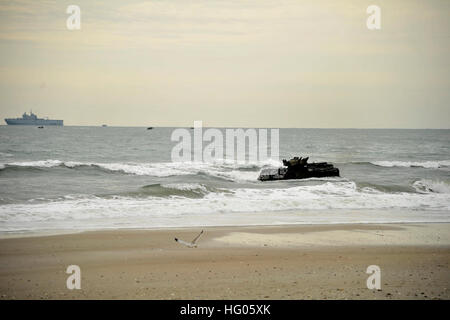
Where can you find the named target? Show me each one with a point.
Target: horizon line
(232, 127)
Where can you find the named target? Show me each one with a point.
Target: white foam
(39, 163)
(5, 154)
(423, 164)
(426, 185)
(186, 187)
(329, 202)
(231, 170)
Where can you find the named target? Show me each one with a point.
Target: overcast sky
(251, 63)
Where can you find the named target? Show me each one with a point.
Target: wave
(433, 186)
(195, 204)
(32, 164)
(329, 195)
(336, 186)
(6, 154)
(173, 190)
(230, 170)
(410, 164)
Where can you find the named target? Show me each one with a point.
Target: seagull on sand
(191, 244)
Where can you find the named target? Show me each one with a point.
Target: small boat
(149, 128)
(104, 125)
(41, 127)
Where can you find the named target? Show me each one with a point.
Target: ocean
(92, 178)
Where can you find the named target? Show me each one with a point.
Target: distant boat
(41, 127)
(149, 128)
(104, 125)
(33, 120)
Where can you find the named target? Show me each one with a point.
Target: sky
(229, 63)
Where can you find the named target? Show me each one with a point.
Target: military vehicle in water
(33, 120)
(299, 168)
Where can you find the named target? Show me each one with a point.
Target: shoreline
(59, 232)
(254, 262)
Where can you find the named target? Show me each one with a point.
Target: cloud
(211, 56)
(151, 23)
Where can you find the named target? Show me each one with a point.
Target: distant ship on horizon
(33, 120)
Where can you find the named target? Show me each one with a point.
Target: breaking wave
(434, 186)
(174, 190)
(185, 199)
(193, 204)
(410, 164)
(5, 154)
(230, 170)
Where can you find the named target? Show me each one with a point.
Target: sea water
(87, 178)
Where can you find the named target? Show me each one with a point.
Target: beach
(112, 200)
(305, 144)
(255, 262)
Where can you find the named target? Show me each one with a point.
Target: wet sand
(282, 262)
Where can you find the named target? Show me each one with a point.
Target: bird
(191, 244)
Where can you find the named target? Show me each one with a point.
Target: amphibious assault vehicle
(299, 168)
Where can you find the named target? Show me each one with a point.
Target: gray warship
(33, 120)
(299, 168)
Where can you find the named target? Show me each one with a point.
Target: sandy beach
(266, 262)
